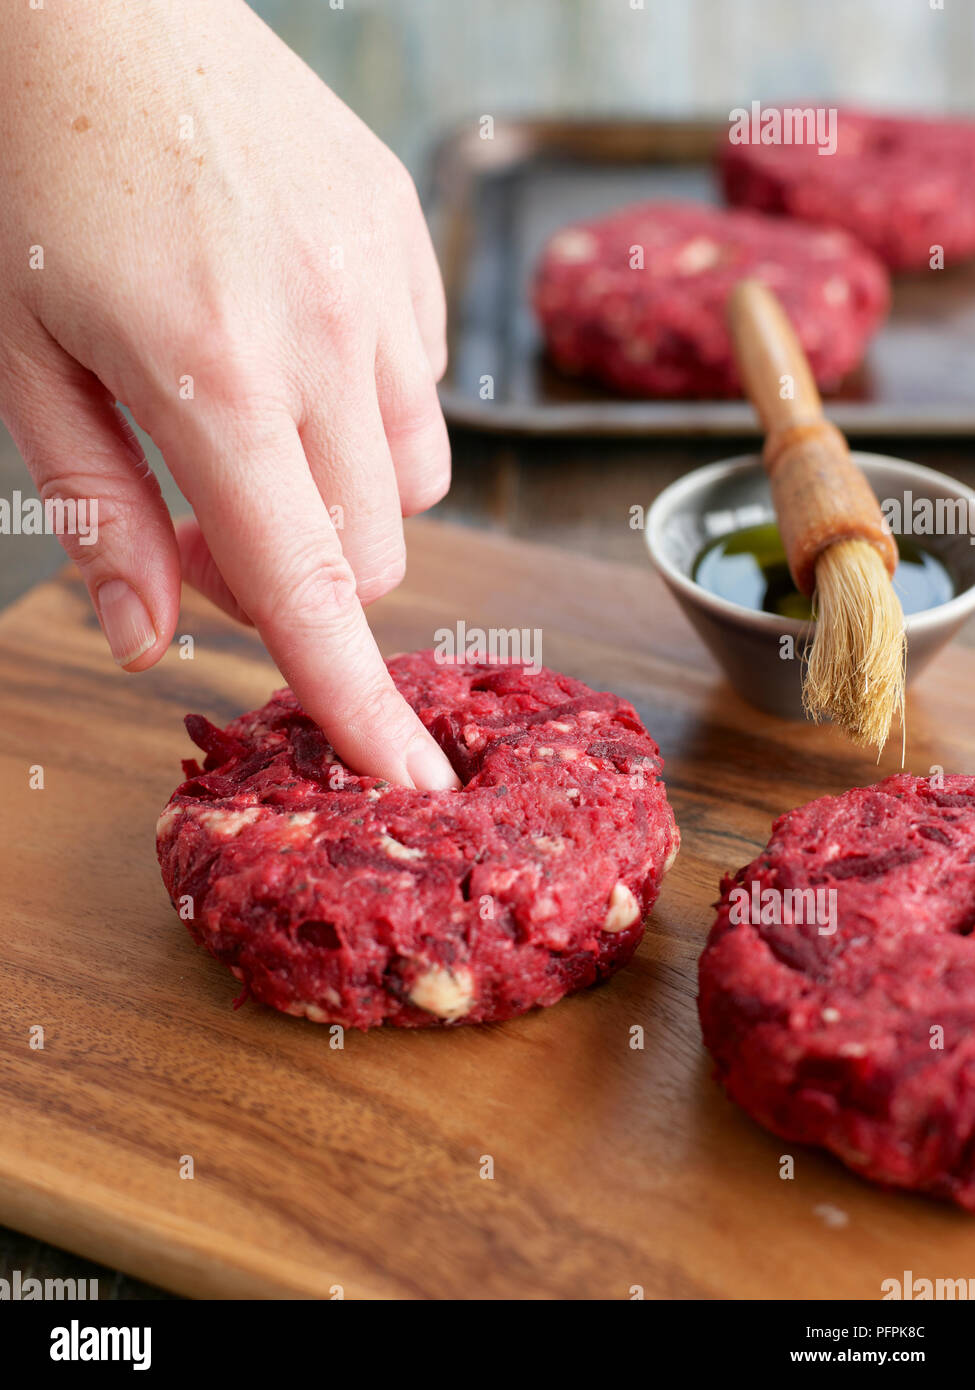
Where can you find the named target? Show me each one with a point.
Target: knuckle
(336, 314)
(428, 490)
(222, 364)
(343, 312)
(376, 585)
(82, 511)
(222, 373)
(75, 483)
(425, 479)
(416, 416)
(315, 590)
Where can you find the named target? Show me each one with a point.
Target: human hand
(228, 251)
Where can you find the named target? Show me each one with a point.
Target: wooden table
(616, 1167)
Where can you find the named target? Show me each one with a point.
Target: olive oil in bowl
(748, 567)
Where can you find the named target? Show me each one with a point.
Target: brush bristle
(855, 670)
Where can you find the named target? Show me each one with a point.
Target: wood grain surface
(614, 1167)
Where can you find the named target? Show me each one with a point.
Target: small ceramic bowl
(728, 496)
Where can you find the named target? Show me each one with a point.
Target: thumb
(100, 495)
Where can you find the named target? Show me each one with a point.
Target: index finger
(274, 543)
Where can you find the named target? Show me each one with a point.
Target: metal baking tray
(493, 203)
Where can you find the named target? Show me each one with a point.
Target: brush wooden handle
(819, 494)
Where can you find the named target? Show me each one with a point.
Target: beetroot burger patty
(861, 1038)
(637, 300)
(349, 900)
(901, 184)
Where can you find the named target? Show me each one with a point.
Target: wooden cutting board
(614, 1167)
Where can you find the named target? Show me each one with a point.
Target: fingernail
(429, 769)
(127, 624)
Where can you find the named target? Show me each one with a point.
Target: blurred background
(414, 69)
(411, 67)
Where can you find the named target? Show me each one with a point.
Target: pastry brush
(840, 550)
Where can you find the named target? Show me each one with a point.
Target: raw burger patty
(351, 901)
(661, 331)
(900, 185)
(833, 1039)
